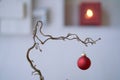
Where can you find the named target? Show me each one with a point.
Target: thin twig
(69, 36)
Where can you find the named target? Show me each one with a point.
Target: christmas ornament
(83, 62)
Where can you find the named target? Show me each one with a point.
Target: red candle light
(90, 13)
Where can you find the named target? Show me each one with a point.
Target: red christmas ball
(83, 62)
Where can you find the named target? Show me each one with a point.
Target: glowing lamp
(90, 13)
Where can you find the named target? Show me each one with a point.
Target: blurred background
(58, 61)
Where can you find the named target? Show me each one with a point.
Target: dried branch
(69, 36)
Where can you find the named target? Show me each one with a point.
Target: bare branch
(36, 45)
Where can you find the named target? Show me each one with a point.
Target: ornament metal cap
(83, 54)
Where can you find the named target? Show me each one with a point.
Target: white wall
(17, 17)
(58, 61)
